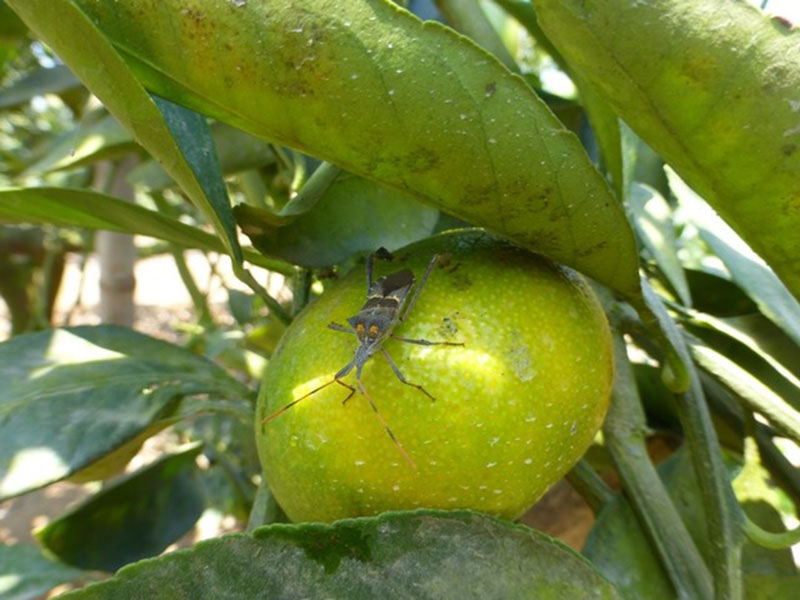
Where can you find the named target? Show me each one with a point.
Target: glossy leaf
(421, 555)
(746, 350)
(369, 87)
(746, 267)
(83, 208)
(237, 151)
(758, 396)
(27, 574)
(37, 83)
(136, 517)
(354, 216)
(68, 31)
(619, 548)
(712, 87)
(71, 396)
(652, 219)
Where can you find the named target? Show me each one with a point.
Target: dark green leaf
(71, 396)
(712, 87)
(418, 555)
(369, 87)
(237, 151)
(37, 83)
(93, 59)
(84, 208)
(619, 548)
(652, 218)
(717, 296)
(193, 136)
(134, 518)
(354, 216)
(27, 574)
(746, 267)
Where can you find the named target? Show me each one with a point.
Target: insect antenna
(280, 411)
(386, 425)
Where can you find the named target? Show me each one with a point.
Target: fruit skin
(515, 407)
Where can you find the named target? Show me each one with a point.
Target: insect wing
(395, 286)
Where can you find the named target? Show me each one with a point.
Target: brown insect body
(383, 310)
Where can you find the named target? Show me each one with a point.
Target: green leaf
(769, 587)
(619, 548)
(758, 396)
(712, 87)
(72, 396)
(237, 151)
(103, 139)
(37, 83)
(747, 350)
(27, 574)
(717, 296)
(421, 555)
(652, 219)
(369, 87)
(354, 216)
(134, 518)
(94, 60)
(746, 267)
(83, 208)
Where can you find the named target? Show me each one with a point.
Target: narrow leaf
(712, 87)
(37, 83)
(93, 59)
(72, 396)
(423, 555)
(105, 138)
(369, 87)
(652, 220)
(83, 208)
(134, 518)
(27, 574)
(237, 151)
(746, 267)
(618, 546)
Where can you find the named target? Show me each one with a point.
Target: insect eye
(373, 331)
(360, 330)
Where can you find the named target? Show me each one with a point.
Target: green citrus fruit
(515, 406)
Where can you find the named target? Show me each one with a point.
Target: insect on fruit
(384, 309)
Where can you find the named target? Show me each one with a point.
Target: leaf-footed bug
(384, 309)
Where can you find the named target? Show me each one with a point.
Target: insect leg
(425, 342)
(385, 424)
(434, 260)
(403, 379)
(342, 328)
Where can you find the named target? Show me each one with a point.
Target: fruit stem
(723, 520)
(588, 483)
(624, 433)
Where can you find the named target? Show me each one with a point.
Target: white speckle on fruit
(528, 461)
(360, 490)
(549, 425)
(530, 419)
(494, 440)
(498, 492)
(490, 465)
(359, 463)
(395, 488)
